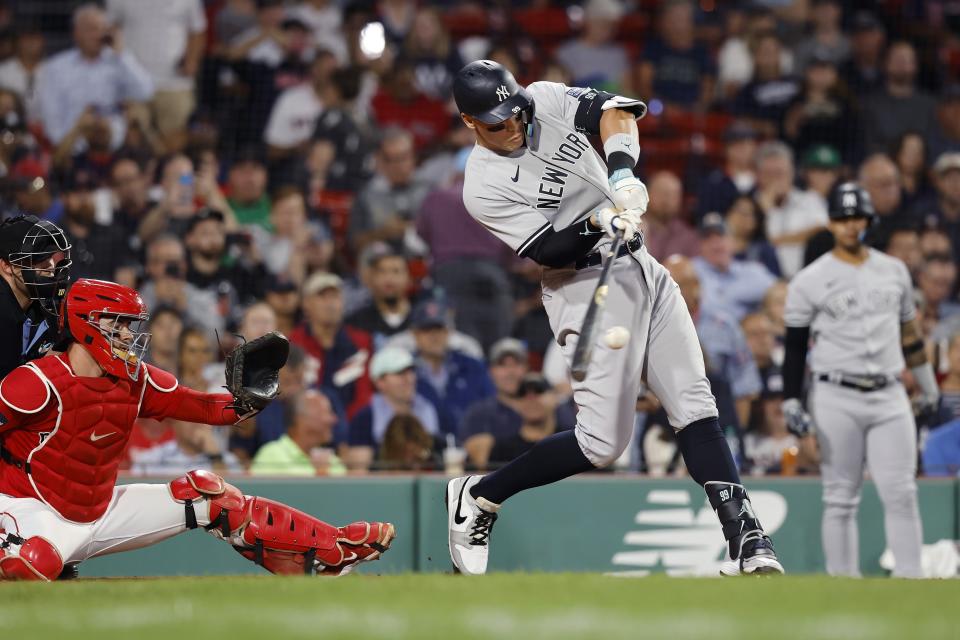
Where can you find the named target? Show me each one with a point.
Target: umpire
(34, 272)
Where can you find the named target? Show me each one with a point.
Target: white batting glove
(628, 192)
(798, 420)
(617, 223)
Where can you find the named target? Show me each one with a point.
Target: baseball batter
(856, 304)
(65, 420)
(534, 180)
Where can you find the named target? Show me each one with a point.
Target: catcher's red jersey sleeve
(22, 394)
(165, 397)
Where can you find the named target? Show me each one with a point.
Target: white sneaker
(757, 557)
(470, 522)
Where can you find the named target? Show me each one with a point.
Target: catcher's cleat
(470, 522)
(361, 542)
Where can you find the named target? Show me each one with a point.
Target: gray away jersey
(854, 313)
(556, 179)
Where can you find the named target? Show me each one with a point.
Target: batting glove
(628, 192)
(617, 223)
(798, 420)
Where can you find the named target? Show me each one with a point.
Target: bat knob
(579, 376)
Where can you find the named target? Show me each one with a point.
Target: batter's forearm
(621, 140)
(795, 360)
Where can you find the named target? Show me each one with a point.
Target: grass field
(523, 606)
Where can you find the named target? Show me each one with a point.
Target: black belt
(865, 383)
(13, 460)
(594, 258)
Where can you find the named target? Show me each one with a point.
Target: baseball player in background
(65, 420)
(856, 305)
(536, 183)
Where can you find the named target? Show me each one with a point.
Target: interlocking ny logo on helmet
(485, 90)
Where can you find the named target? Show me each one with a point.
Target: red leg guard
(36, 559)
(280, 538)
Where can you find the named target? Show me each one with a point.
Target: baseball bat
(591, 321)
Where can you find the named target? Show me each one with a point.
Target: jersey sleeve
(581, 107)
(908, 307)
(799, 309)
(164, 397)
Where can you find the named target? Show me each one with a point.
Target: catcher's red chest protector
(75, 447)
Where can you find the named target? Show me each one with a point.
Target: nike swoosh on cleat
(517, 176)
(457, 518)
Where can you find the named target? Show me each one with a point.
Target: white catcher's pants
(663, 350)
(139, 515)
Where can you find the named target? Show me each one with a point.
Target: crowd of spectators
(297, 165)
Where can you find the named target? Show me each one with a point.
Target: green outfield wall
(625, 525)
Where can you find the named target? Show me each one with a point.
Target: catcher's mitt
(253, 372)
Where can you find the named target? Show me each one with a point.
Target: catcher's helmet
(118, 344)
(488, 92)
(850, 200)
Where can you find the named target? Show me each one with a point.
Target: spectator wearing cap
(28, 323)
(944, 206)
(448, 377)
(791, 215)
(744, 223)
(737, 176)
(92, 74)
(496, 418)
(387, 205)
(732, 286)
(536, 403)
(305, 449)
(674, 67)
(823, 113)
(341, 352)
(99, 250)
(765, 99)
(827, 41)
(165, 284)
(21, 72)
(665, 232)
(820, 169)
(900, 106)
(247, 189)
(283, 296)
(726, 354)
(467, 261)
(395, 376)
(234, 274)
(948, 117)
(169, 44)
(32, 192)
(594, 58)
(388, 278)
(863, 71)
(295, 112)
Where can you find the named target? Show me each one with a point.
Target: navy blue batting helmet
(850, 200)
(488, 92)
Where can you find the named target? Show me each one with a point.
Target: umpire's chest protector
(74, 465)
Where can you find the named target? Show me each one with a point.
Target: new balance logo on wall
(676, 538)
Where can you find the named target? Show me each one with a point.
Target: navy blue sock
(554, 458)
(706, 452)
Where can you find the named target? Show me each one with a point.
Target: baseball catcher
(65, 420)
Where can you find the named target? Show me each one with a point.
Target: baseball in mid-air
(616, 337)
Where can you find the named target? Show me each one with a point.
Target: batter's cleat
(470, 522)
(757, 557)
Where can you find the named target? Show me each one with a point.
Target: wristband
(622, 151)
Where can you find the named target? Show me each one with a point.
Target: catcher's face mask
(127, 339)
(43, 264)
